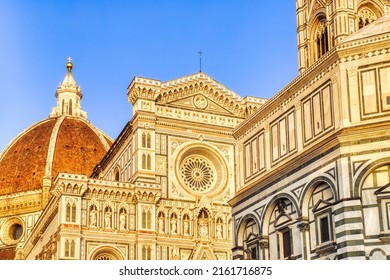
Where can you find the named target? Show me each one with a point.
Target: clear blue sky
(249, 46)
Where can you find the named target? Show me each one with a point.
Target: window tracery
(322, 38)
(366, 16)
(197, 173)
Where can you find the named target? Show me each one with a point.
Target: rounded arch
(308, 190)
(318, 35)
(106, 252)
(365, 171)
(239, 233)
(269, 208)
(373, 6)
(377, 254)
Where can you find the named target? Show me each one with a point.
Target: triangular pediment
(251, 237)
(321, 204)
(199, 102)
(383, 191)
(204, 252)
(201, 93)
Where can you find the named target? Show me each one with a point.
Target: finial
(200, 60)
(69, 65)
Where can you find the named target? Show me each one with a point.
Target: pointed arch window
(73, 212)
(321, 39)
(149, 162)
(67, 248)
(146, 218)
(143, 140)
(251, 247)
(149, 219)
(148, 141)
(70, 249)
(146, 252)
(70, 212)
(146, 162)
(366, 16)
(117, 174)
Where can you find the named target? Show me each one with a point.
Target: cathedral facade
(315, 159)
(160, 191)
(199, 172)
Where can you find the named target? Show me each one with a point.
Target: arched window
(143, 140)
(366, 16)
(146, 218)
(321, 38)
(63, 106)
(67, 248)
(146, 252)
(149, 163)
(148, 141)
(73, 212)
(107, 254)
(149, 219)
(143, 218)
(68, 212)
(72, 248)
(143, 161)
(116, 174)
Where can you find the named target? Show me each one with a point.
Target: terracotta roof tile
(22, 167)
(77, 150)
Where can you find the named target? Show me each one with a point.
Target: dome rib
(61, 144)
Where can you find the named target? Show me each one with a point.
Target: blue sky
(249, 46)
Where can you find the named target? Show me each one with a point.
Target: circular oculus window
(198, 173)
(12, 231)
(201, 169)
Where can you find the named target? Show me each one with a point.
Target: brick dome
(58, 144)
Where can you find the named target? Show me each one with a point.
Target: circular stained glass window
(198, 174)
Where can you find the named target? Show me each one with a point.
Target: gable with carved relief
(201, 92)
(199, 102)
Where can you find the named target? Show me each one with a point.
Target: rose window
(198, 174)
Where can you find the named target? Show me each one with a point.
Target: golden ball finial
(69, 65)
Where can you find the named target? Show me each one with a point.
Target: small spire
(69, 65)
(69, 79)
(68, 96)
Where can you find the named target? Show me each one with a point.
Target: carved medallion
(200, 101)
